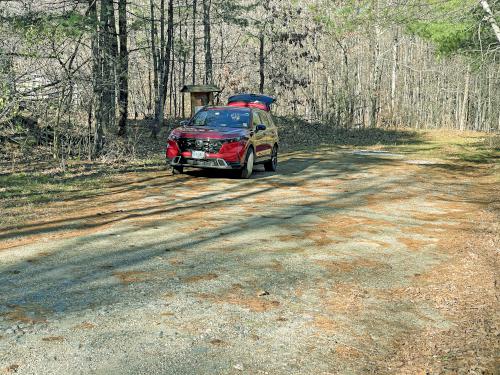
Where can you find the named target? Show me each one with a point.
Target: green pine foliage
(38, 26)
(453, 26)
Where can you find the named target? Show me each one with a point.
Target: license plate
(197, 154)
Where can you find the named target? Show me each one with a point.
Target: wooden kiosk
(201, 95)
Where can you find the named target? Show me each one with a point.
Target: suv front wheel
(177, 170)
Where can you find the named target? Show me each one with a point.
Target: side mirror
(184, 122)
(260, 127)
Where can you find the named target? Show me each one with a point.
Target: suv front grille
(211, 146)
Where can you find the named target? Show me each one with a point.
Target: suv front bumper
(180, 161)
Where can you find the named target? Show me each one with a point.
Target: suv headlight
(173, 137)
(237, 139)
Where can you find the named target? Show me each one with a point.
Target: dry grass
(85, 325)
(28, 314)
(236, 295)
(53, 338)
(198, 278)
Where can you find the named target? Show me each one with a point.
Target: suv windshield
(222, 117)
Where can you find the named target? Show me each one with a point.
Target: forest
(75, 75)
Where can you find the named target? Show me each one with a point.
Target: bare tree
(194, 42)
(489, 17)
(207, 4)
(123, 68)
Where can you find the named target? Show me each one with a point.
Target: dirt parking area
(344, 262)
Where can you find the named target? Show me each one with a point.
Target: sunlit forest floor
(371, 251)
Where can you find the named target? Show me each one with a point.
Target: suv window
(222, 117)
(267, 119)
(256, 119)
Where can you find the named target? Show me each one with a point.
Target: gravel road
(341, 263)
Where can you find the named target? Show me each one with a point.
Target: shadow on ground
(323, 235)
(235, 193)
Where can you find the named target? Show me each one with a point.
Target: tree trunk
(106, 49)
(465, 102)
(123, 68)
(376, 77)
(183, 32)
(154, 52)
(194, 42)
(115, 53)
(95, 148)
(113, 64)
(207, 42)
(156, 64)
(168, 50)
(394, 75)
(489, 17)
(261, 62)
(160, 95)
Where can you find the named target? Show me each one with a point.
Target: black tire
(272, 164)
(177, 170)
(247, 169)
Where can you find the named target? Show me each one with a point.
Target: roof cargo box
(251, 100)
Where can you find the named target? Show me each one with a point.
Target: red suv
(234, 137)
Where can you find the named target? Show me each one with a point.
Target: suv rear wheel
(177, 170)
(247, 170)
(272, 164)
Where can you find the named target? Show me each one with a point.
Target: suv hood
(208, 133)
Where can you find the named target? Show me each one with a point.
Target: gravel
(301, 271)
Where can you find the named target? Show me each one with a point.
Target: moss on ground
(478, 148)
(24, 194)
